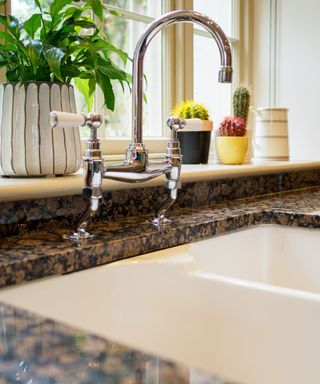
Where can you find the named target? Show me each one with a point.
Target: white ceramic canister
(28, 145)
(270, 139)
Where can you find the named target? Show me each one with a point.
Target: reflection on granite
(37, 350)
(21, 216)
(40, 253)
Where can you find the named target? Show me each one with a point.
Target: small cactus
(232, 126)
(190, 110)
(241, 102)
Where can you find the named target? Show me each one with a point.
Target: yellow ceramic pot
(232, 149)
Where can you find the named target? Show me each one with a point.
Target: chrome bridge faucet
(137, 168)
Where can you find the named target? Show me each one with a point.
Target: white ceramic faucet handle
(66, 119)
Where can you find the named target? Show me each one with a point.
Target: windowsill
(32, 188)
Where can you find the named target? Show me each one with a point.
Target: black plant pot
(195, 146)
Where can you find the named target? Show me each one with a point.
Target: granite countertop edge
(12, 189)
(36, 254)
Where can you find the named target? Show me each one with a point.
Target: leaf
(73, 11)
(110, 70)
(38, 4)
(34, 50)
(8, 47)
(105, 45)
(54, 56)
(14, 26)
(83, 85)
(107, 90)
(129, 77)
(114, 13)
(57, 5)
(43, 73)
(97, 8)
(11, 75)
(7, 37)
(3, 60)
(55, 38)
(14, 22)
(11, 23)
(32, 24)
(92, 86)
(69, 71)
(3, 20)
(80, 23)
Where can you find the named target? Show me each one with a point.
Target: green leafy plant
(190, 110)
(61, 43)
(241, 102)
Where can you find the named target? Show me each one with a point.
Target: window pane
(215, 96)
(150, 8)
(124, 34)
(145, 7)
(22, 8)
(219, 10)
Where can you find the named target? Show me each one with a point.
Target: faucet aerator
(225, 75)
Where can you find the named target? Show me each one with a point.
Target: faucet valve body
(173, 157)
(92, 189)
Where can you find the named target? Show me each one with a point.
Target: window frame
(178, 84)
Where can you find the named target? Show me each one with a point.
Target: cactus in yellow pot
(232, 142)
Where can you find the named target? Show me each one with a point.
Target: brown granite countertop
(39, 350)
(44, 252)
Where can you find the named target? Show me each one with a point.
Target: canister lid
(271, 109)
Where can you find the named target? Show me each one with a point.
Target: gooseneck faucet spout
(136, 168)
(225, 73)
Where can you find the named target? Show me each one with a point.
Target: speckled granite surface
(37, 350)
(40, 351)
(42, 252)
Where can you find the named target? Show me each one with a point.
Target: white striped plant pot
(28, 145)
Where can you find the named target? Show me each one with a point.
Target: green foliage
(60, 43)
(241, 103)
(190, 110)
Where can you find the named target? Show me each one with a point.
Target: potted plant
(42, 55)
(231, 141)
(195, 137)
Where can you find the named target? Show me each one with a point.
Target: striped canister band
(28, 145)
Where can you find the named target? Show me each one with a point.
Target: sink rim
(162, 257)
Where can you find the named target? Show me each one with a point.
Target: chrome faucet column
(136, 168)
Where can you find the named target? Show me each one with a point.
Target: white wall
(289, 31)
(261, 51)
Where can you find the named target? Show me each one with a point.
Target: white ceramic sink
(282, 256)
(224, 305)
